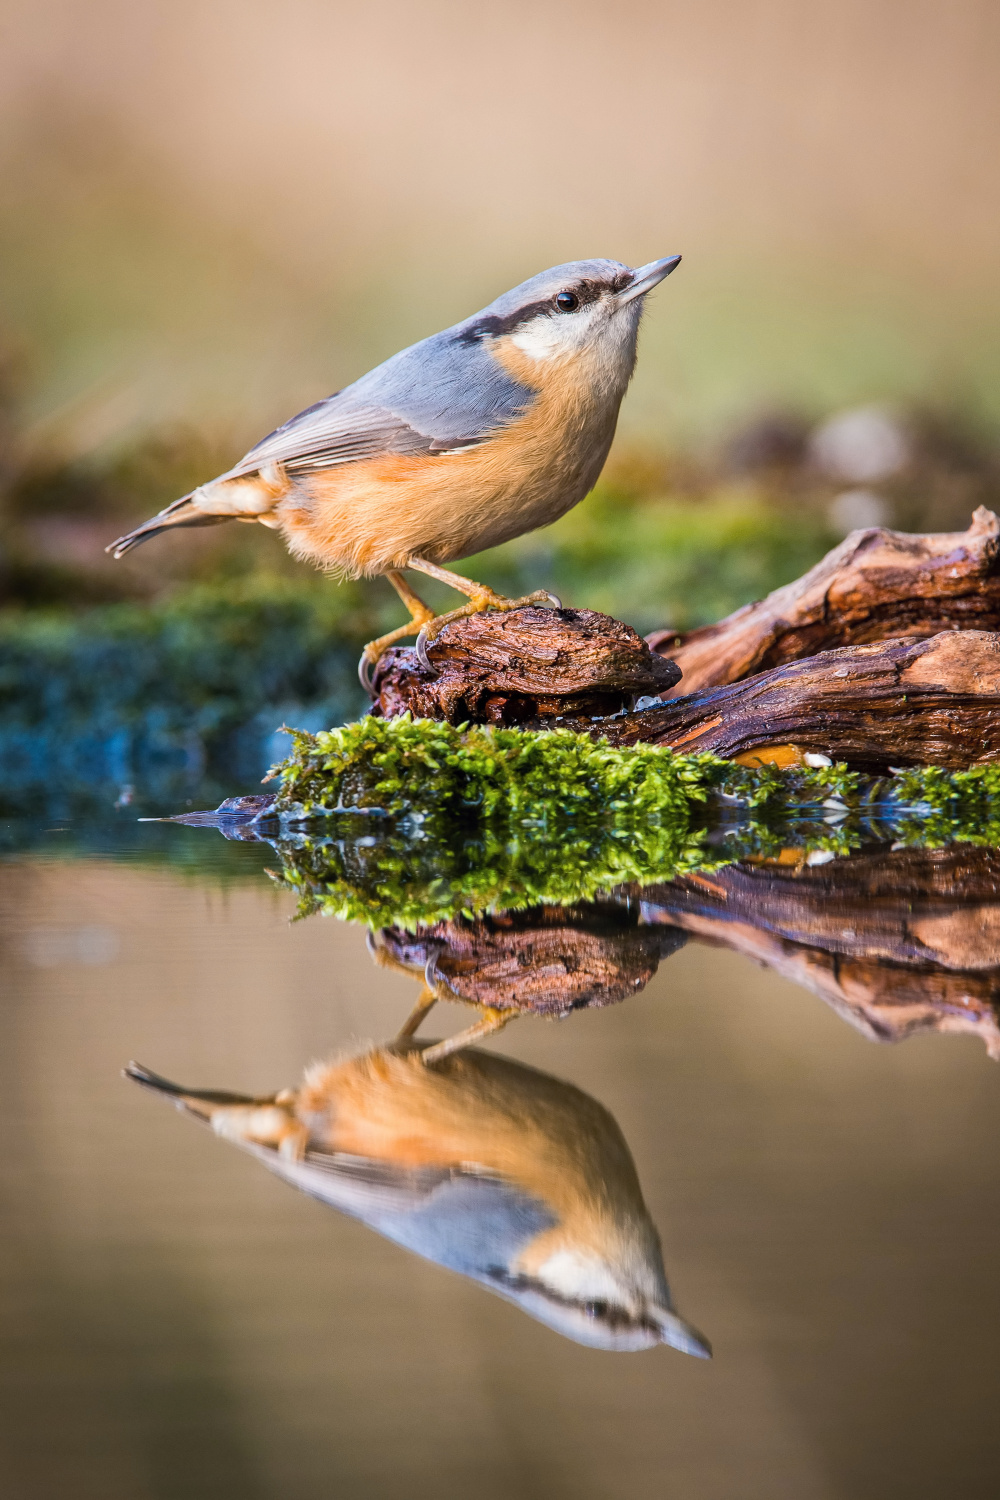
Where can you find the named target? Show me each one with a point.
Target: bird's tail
(182, 512)
(200, 1102)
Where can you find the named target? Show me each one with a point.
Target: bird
(480, 433)
(485, 1166)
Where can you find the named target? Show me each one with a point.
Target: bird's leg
(492, 1021)
(425, 1003)
(420, 615)
(481, 598)
(430, 992)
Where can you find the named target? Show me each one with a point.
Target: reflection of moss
(409, 871)
(949, 806)
(473, 819)
(403, 873)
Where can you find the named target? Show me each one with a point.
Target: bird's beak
(680, 1334)
(646, 277)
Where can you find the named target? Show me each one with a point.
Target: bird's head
(584, 306)
(615, 1299)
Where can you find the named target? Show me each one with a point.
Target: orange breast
(367, 517)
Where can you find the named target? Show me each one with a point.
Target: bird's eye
(596, 1309)
(566, 301)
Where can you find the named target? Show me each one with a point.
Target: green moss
(411, 821)
(945, 807)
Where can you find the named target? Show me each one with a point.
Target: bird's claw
(366, 666)
(420, 647)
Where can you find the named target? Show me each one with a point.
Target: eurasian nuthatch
(483, 1165)
(473, 436)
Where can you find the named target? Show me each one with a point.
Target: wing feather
(439, 396)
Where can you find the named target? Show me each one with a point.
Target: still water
(179, 1321)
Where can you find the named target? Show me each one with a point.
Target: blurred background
(213, 214)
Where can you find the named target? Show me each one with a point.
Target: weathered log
(877, 584)
(874, 657)
(531, 665)
(898, 702)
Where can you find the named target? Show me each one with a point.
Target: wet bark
(876, 657)
(876, 585)
(532, 665)
(898, 702)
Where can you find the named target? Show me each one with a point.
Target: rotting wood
(878, 584)
(897, 702)
(525, 666)
(871, 658)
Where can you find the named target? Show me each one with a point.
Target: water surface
(179, 1322)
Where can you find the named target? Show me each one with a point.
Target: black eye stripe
(493, 326)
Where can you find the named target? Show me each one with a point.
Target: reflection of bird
(482, 432)
(485, 1166)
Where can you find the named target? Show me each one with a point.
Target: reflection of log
(549, 960)
(900, 702)
(896, 942)
(531, 664)
(875, 585)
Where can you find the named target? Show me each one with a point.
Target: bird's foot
(480, 602)
(374, 649)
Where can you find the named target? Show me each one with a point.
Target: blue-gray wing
(469, 1221)
(442, 395)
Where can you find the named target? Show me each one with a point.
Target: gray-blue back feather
(471, 1223)
(446, 392)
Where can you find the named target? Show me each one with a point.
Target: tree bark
(900, 702)
(531, 665)
(877, 584)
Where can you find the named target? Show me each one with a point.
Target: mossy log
(876, 585)
(877, 657)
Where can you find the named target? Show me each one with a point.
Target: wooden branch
(871, 658)
(532, 665)
(930, 702)
(877, 584)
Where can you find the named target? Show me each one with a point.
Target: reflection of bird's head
(485, 1166)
